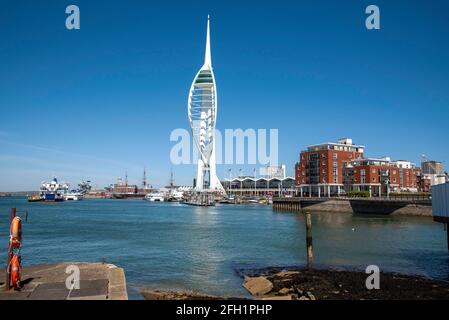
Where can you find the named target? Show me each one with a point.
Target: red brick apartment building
(332, 168)
(380, 176)
(320, 168)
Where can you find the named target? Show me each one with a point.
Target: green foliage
(358, 194)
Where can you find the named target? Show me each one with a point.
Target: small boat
(155, 197)
(72, 196)
(35, 198)
(230, 200)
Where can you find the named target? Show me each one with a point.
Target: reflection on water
(168, 245)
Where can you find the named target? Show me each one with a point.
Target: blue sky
(101, 100)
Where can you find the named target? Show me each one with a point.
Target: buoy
(15, 271)
(16, 233)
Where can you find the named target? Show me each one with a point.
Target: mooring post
(447, 235)
(309, 241)
(7, 278)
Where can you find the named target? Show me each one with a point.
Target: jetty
(202, 199)
(97, 281)
(417, 206)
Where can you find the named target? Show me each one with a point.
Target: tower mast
(208, 55)
(144, 179)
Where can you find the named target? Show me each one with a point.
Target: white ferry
(155, 196)
(51, 191)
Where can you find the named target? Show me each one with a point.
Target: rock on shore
(276, 284)
(257, 286)
(151, 294)
(342, 285)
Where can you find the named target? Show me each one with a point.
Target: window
(374, 171)
(335, 156)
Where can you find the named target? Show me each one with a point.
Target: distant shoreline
(17, 194)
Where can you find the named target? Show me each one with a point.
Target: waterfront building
(202, 112)
(320, 169)
(379, 176)
(333, 169)
(408, 173)
(259, 186)
(423, 181)
(274, 181)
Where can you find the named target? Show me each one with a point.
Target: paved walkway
(98, 281)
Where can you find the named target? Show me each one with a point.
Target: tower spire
(208, 57)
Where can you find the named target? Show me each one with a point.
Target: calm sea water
(169, 245)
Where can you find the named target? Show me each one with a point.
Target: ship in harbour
(55, 191)
(52, 191)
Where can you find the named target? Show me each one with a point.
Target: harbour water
(170, 245)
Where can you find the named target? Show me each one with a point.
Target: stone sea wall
(356, 206)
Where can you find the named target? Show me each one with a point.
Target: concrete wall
(363, 206)
(327, 206)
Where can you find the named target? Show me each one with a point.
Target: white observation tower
(202, 109)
